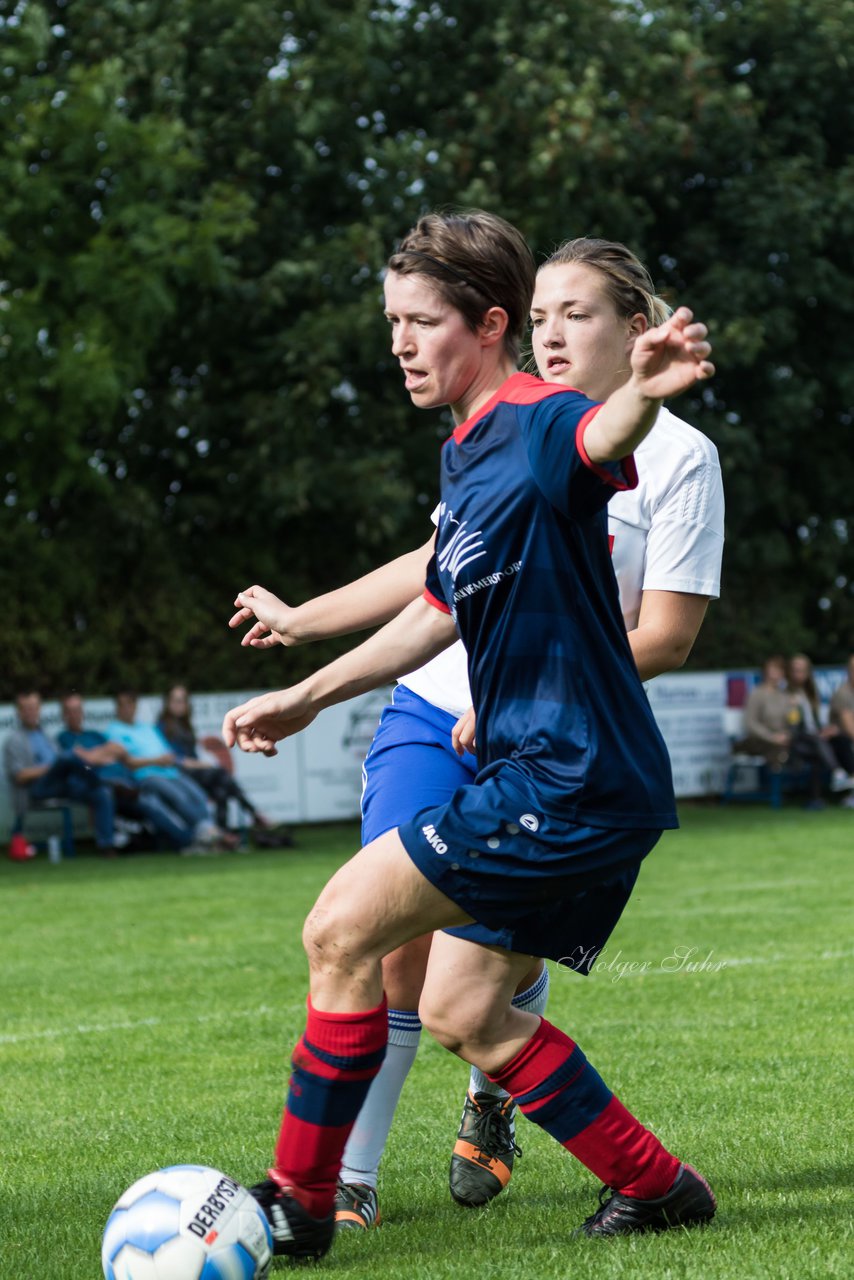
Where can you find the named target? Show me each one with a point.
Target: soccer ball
(187, 1222)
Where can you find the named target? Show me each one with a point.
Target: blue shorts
(557, 891)
(411, 764)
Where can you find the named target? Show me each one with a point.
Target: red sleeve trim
(435, 601)
(627, 464)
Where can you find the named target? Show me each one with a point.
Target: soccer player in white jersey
(666, 538)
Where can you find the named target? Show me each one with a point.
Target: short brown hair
(474, 260)
(627, 280)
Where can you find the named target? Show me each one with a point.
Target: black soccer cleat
(689, 1202)
(483, 1155)
(356, 1207)
(295, 1233)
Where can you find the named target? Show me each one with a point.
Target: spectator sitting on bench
(842, 720)
(38, 770)
(154, 764)
(781, 724)
(812, 741)
(136, 797)
(176, 725)
(770, 715)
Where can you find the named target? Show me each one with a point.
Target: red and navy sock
(555, 1086)
(333, 1065)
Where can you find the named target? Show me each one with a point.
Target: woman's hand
(462, 734)
(274, 620)
(673, 356)
(257, 725)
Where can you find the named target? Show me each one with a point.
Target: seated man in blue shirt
(37, 770)
(136, 797)
(155, 769)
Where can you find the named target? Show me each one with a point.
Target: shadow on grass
(841, 1175)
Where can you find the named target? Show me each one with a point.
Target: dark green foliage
(198, 200)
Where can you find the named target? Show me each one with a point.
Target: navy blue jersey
(522, 563)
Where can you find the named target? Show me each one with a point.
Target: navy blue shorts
(557, 892)
(534, 883)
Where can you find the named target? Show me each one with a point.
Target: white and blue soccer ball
(187, 1222)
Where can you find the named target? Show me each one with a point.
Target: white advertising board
(689, 712)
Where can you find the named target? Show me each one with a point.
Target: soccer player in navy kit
(592, 297)
(546, 844)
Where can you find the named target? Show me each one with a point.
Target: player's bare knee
(321, 938)
(446, 1023)
(335, 942)
(444, 1033)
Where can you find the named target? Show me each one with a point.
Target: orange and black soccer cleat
(485, 1149)
(356, 1207)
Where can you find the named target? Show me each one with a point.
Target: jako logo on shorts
(530, 822)
(433, 838)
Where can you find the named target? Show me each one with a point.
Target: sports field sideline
(148, 1006)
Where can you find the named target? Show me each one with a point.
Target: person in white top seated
(592, 299)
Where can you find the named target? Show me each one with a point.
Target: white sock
(369, 1135)
(532, 1000)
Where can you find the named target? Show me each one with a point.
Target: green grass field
(148, 1007)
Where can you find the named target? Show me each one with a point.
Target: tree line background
(198, 200)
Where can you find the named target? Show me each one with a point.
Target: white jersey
(444, 681)
(667, 534)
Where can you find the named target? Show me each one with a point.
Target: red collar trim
(519, 388)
